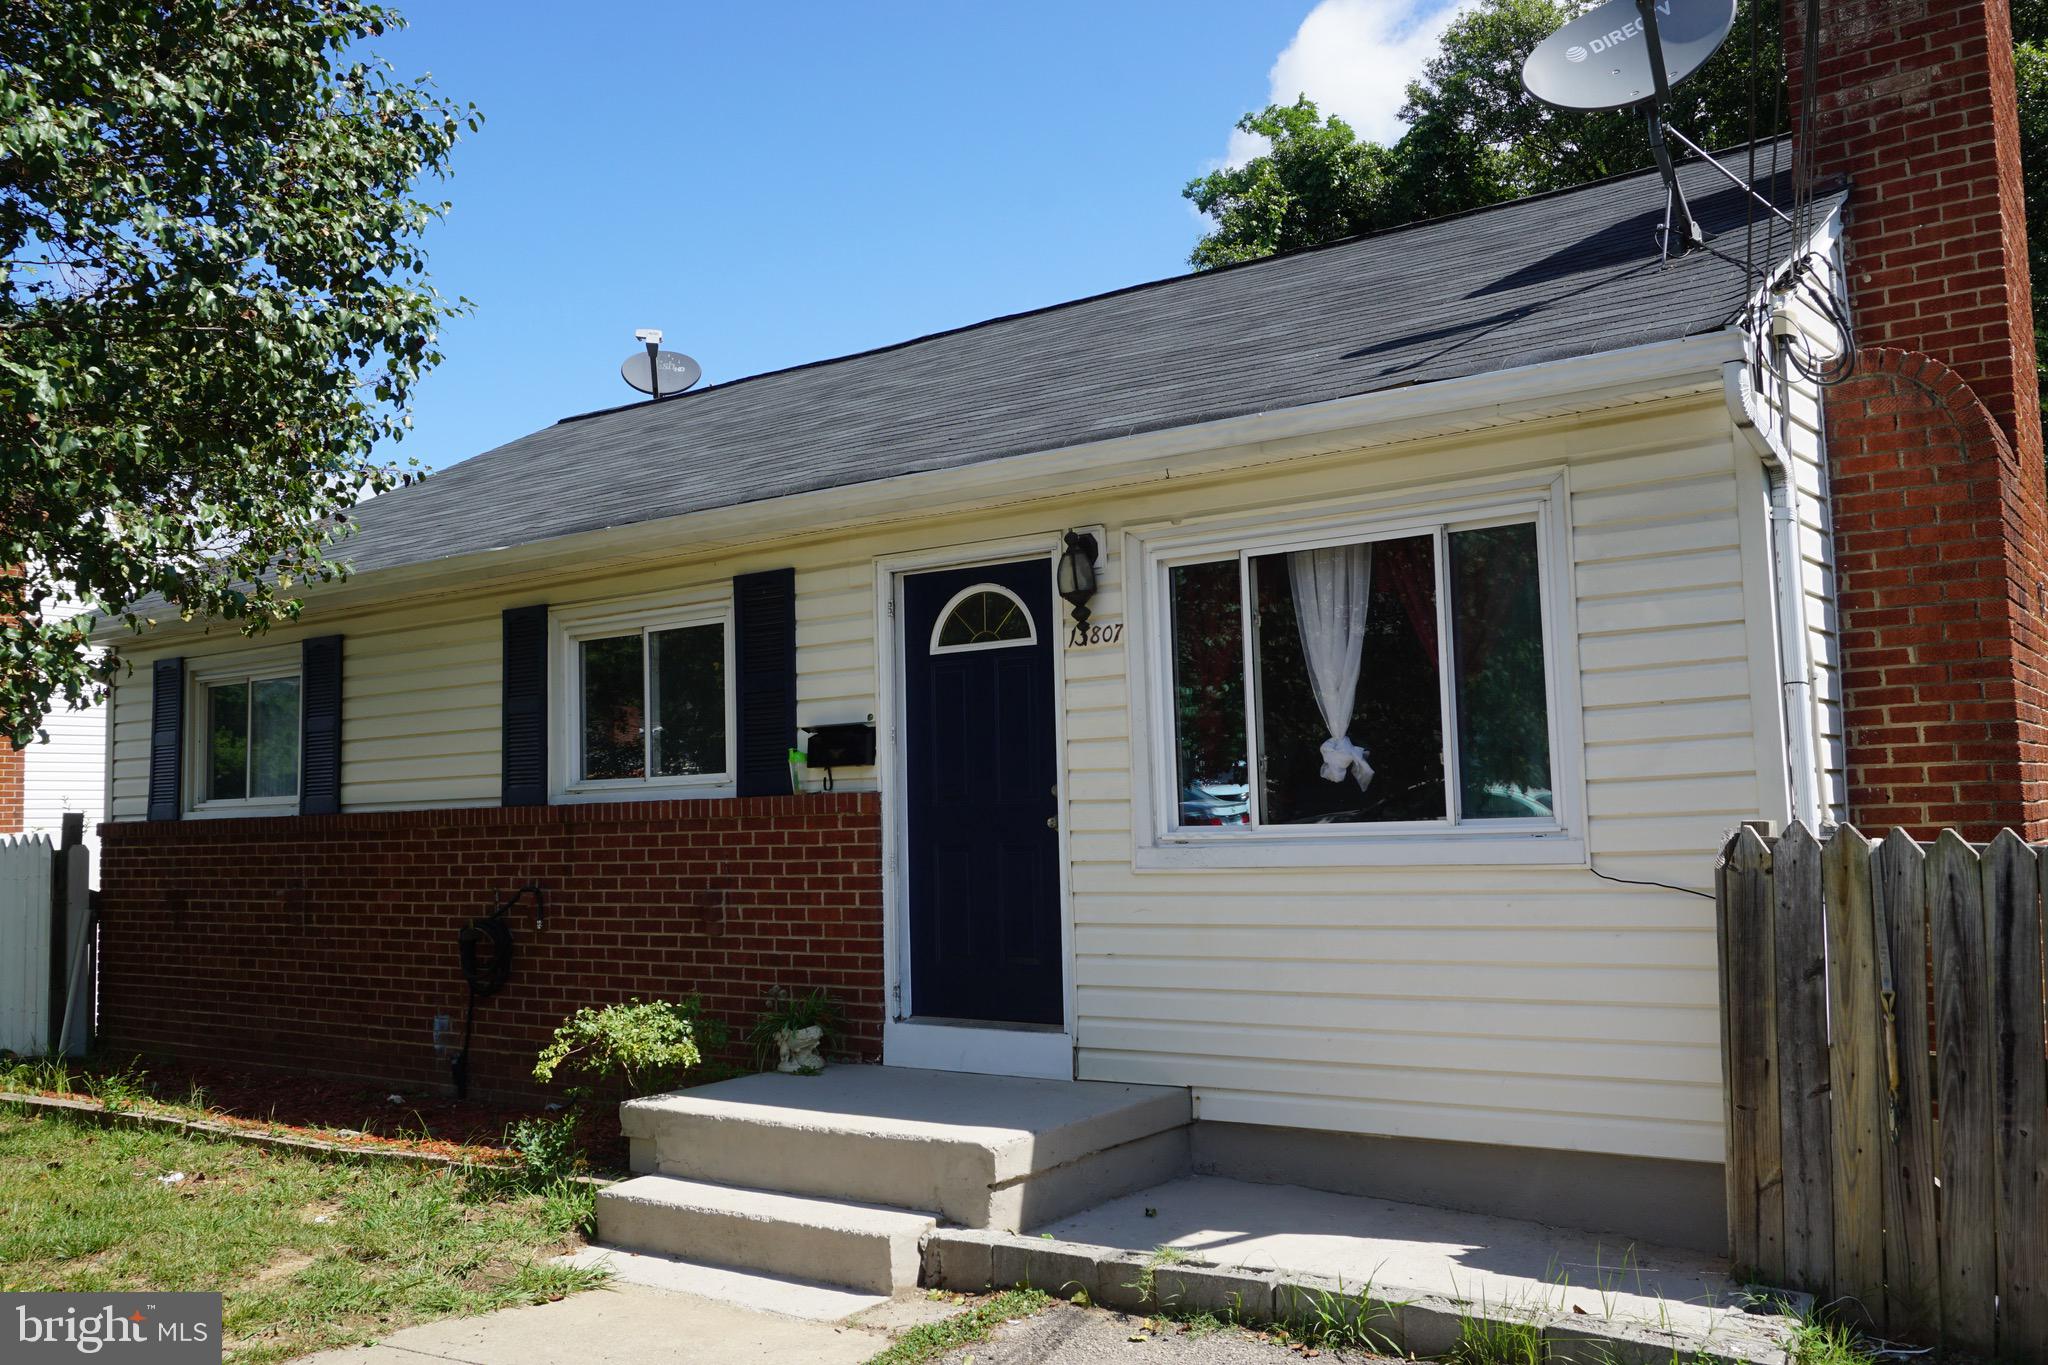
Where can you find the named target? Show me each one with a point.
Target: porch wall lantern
(1075, 573)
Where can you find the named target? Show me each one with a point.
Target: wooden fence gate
(1887, 1079)
(46, 944)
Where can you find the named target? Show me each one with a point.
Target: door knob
(1052, 822)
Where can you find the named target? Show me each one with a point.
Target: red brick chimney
(1941, 533)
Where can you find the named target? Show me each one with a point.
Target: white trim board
(1046, 1054)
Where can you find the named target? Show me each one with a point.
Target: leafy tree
(213, 306)
(2029, 21)
(1319, 182)
(1473, 137)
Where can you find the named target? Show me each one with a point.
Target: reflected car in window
(1215, 803)
(1499, 801)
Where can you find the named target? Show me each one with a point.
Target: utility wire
(1749, 204)
(1638, 881)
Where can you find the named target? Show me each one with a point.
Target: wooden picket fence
(1887, 1079)
(47, 981)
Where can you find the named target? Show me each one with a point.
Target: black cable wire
(1777, 142)
(1806, 157)
(1749, 203)
(1638, 881)
(1802, 282)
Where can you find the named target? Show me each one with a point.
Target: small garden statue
(794, 1031)
(800, 1050)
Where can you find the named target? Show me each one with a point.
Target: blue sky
(777, 184)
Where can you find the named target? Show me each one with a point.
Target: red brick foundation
(327, 943)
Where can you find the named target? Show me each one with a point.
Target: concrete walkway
(621, 1325)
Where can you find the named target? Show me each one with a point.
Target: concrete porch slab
(982, 1151)
(1294, 1236)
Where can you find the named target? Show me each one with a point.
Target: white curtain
(1331, 589)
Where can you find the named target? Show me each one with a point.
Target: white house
(1456, 591)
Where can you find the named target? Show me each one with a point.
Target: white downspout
(1795, 659)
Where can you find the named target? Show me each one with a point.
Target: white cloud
(1354, 58)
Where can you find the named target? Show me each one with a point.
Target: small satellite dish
(1601, 59)
(676, 372)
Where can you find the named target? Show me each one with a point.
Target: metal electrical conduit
(1789, 624)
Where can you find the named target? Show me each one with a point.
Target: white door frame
(997, 1049)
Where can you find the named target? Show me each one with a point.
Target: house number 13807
(1084, 636)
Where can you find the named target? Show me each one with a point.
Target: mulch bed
(418, 1120)
(354, 1113)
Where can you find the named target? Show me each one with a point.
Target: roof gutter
(1529, 392)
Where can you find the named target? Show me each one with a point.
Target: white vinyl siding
(1528, 1005)
(67, 772)
(1536, 1006)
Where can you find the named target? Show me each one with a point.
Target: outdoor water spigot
(533, 889)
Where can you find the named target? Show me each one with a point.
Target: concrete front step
(857, 1245)
(763, 1293)
(981, 1151)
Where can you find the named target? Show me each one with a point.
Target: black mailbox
(851, 745)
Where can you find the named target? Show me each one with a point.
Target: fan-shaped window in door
(985, 616)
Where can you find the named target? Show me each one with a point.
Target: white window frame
(568, 628)
(975, 590)
(252, 667)
(1159, 844)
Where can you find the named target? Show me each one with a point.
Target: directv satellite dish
(1601, 60)
(660, 373)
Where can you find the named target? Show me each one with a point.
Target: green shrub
(634, 1048)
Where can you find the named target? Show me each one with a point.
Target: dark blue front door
(983, 838)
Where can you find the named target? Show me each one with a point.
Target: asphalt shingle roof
(1566, 274)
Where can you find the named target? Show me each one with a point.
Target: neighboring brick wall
(1935, 445)
(327, 943)
(13, 769)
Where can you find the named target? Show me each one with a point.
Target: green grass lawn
(310, 1254)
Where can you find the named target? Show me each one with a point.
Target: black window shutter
(320, 726)
(166, 738)
(764, 650)
(525, 706)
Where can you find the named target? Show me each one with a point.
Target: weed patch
(1339, 1319)
(1500, 1340)
(934, 1339)
(1817, 1341)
